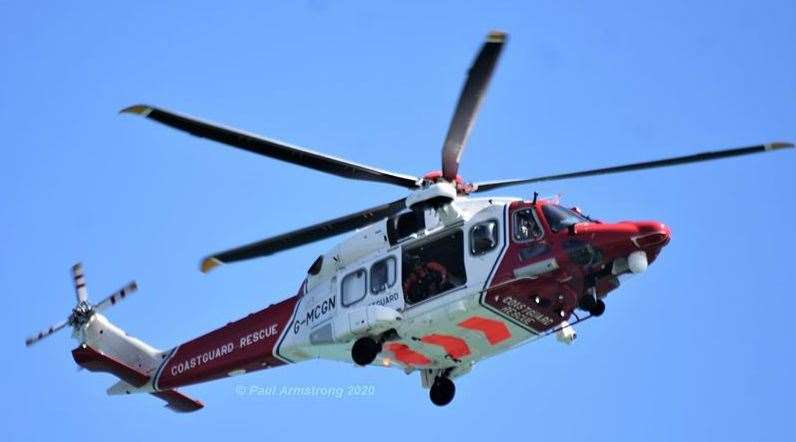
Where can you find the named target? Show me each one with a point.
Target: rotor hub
(81, 314)
(436, 176)
(435, 194)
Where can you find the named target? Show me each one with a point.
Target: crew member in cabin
(426, 280)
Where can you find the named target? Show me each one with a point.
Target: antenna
(535, 197)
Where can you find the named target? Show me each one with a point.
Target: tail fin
(105, 347)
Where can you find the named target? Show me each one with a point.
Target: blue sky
(697, 348)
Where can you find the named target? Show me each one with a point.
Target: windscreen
(561, 218)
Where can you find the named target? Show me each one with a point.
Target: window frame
(342, 287)
(497, 236)
(514, 225)
(388, 285)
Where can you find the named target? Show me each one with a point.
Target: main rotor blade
(116, 296)
(303, 236)
(44, 333)
(695, 158)
(469, 101)
(272, 148)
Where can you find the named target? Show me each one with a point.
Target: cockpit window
(525, 226)
(561, 218)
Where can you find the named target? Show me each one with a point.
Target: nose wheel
(442, 391)
(591, 303)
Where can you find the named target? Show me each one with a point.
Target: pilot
(426, 280)
(527, 228)
(525, 232)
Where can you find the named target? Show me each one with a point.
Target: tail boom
(249, 344)
(246, 345)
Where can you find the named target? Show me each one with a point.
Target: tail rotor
(83, 311)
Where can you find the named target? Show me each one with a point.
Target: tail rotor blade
(116, 296)
(44, 333)
(80, 283)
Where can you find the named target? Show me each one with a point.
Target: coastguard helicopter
(431, 283)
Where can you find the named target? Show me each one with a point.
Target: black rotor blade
(469, 101)
(303, 236)
(695, 158)
(272, 148)
(116, 296)
(45, 333)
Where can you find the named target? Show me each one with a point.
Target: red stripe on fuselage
(406, 355)
(495, 331)
(455, 347)
(247, 344)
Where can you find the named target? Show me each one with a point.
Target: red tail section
(96, 361)
(245, 345)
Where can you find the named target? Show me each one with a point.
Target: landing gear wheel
(442, 391)
(598, 309)
(365, 350)
(595, 307)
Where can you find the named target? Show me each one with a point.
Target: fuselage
(441, 288)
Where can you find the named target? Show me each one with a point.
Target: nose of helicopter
(649, 239)
(650, 234)
(641, 234)
(634, 243)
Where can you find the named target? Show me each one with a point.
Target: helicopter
(430, 283)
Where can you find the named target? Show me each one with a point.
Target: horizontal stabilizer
(179, 402)
(131, 378)
(92, 360)
(122, 387)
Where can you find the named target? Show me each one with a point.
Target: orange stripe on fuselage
(406, 355)
(495, 331)
(455, 347)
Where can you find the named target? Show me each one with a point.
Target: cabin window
(483, 237)
(382, 275)
(354, 287)
(403, 225)
(316, 266)
(525, 226)
(433, 267)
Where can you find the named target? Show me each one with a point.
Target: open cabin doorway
(433, 266)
